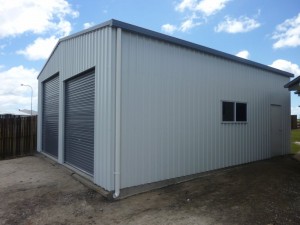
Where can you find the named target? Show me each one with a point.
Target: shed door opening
(276, 130)
(79, 122)
(50, 116)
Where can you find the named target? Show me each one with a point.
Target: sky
(265, 31)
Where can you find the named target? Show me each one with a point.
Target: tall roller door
(50, 116)
(79, 122)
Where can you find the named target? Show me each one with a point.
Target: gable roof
(173, 40)
(293, 85)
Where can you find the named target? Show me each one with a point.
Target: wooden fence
(17, 136)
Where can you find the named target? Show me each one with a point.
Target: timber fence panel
(17, 136)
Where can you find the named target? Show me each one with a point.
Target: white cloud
(168, 28)
(188, 24)
(185, 26)
(286, 66)
(18, 17)
(185, 4)
(287, 34)
(243, 54)
(39, 49)
(12, 95)
(196, 12)
(206, 7)
(88, 25)
(241, 25)
(64, 28)
(210, 7)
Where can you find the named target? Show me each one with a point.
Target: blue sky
(266, 31)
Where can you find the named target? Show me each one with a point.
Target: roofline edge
(292, 82)
(214, 52)
(170, 39)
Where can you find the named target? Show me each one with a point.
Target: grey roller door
(79, 122)
(50, 116)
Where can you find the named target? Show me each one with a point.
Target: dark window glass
(241, 112)
(228, 111)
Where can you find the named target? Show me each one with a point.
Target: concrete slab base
(78, 175)
(127, 192)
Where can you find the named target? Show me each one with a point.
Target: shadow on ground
(35, 191)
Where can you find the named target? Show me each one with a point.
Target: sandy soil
(35, 191)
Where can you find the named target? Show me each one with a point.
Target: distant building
(28, 112)
(17, 112)
(126, 106)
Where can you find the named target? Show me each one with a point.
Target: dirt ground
(35, 191)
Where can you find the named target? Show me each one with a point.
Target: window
(241, 112)
(228, 111)
(234, 112)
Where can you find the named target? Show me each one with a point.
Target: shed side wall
(171, 111)
(72, 57)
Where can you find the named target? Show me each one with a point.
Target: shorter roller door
(79, 122)
(50, 116)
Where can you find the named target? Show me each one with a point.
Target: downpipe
(118, 117)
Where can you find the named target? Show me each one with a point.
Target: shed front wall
(171, 111)
(73, 56)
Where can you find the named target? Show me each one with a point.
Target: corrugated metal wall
(74, 56)
(170, 107)
(171, 111)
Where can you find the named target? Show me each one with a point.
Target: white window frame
(234, 112)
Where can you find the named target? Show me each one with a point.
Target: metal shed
(134, 107)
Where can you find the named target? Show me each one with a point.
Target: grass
(295, 136)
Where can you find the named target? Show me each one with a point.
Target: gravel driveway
(36, 191)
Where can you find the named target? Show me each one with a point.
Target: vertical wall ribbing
(74, 56)
(171, 111)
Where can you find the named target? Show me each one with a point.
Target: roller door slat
(50, 116)
(79, 122)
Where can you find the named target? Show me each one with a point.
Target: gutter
(117, 171)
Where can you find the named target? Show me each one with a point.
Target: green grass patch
(295, 136)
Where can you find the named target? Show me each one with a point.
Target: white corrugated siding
(170, 107)
(76, 55)
(171, 111)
